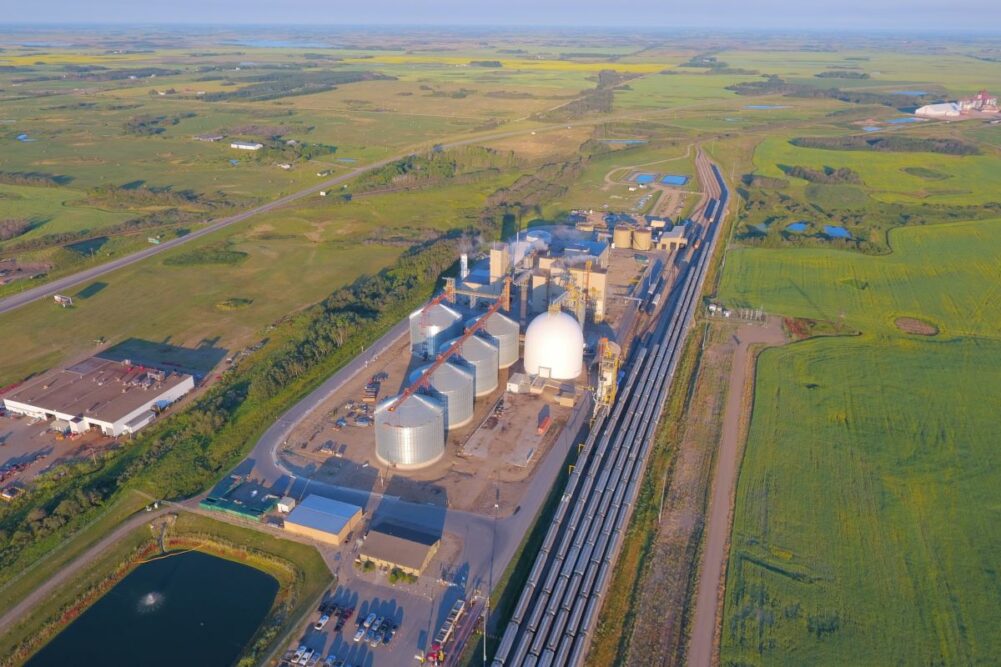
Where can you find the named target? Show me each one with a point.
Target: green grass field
(867, 524)
(946, 274)
(976, 179)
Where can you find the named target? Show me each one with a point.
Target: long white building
(114, 397)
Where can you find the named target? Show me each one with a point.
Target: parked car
(369, 621)
(319, 625)
(360, 633)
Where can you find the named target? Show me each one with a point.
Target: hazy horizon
(979, 16)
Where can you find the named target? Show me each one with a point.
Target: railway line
(557, 610)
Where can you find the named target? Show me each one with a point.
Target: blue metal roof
(323, 514)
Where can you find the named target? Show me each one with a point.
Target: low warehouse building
(323, 519)
(390, 545)
(115, 397)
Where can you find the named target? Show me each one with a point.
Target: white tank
(554, 347)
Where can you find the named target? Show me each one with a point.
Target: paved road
(66, 283)
(709, 595)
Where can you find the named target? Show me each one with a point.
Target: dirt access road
(703, 645)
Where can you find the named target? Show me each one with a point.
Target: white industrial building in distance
(246, 145)
(115, 397)
(554, 347)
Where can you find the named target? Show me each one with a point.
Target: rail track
(557, 610)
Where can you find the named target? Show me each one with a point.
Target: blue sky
(910, 15)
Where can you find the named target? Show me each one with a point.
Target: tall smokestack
(463, 266)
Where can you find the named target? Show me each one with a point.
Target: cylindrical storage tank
(622, 237)
(429, 328)
(642, 239)
(483, 356)
(503, 331)
(554, 346)
(454, 387)
(412, 435)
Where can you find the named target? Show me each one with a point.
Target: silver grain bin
(503, 331)
(412, 435)
(453, 386)
(482, 356)
(428, 328)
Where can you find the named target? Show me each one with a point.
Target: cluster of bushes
(775, 85)
(13, 227)
(140, 195)
(827, 175)
(275, 86)
(33, 178)
(715, 65)
(396, 575)
(842, 74)
(208, 255)
(890, 143)
(435, 168)
(485, 63)
(149, 125)
(41, 521)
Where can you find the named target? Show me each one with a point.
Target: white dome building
(554, 347)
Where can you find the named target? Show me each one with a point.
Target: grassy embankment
(864, 530)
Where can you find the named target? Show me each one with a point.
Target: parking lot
(378, 630)
(28, 447)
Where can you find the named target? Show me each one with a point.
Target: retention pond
(186, 609)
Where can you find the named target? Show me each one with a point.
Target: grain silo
(642, 239)
(483, 356)
(554, 347)
(453, 386)
(504, 332)
(622, 237)
(430, 325)
(413, 434)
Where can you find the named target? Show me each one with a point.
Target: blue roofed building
(324, 519)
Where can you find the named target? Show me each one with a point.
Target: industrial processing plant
(523, 342)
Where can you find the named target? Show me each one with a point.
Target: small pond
(796, 227)
(186, 609)
(837, 232)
